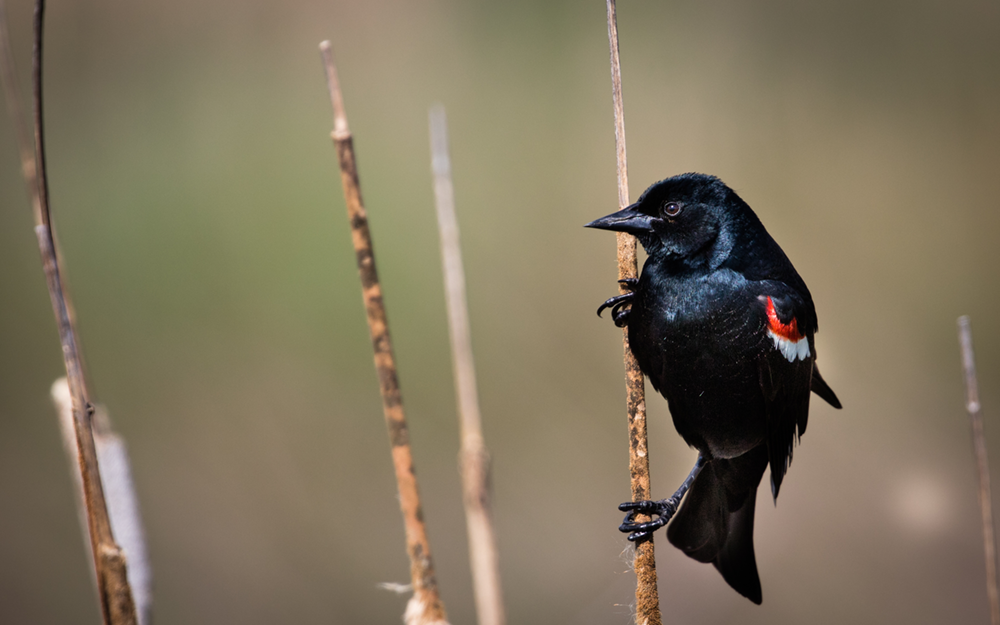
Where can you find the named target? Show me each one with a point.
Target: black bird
(722, 325)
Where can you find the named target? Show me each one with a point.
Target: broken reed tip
(968, 365)
(340, 129)
(440, 161)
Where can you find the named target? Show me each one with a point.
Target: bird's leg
(617, 303)
(664, 509)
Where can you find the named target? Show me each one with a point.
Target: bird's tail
(821, 388)
(715, 522)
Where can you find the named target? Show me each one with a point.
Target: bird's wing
(786, 367)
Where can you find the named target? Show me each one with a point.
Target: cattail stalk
(982, 465)
(119, 490)
(114, 593)
(475, 458)
(425, 607)
(647, 600)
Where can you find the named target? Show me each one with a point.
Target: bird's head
(690, 218)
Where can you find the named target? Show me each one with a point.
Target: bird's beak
(629, 219)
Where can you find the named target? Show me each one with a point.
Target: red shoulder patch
(787, 331)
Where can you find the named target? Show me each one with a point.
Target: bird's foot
(618, 302)
(663, 509)
(618, 312)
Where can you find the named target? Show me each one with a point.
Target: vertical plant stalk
(982, 465)
(114, 592)
(116, 478)
(425, 607)
(475, 458)
(647, 599)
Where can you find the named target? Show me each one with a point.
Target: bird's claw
(663, 509)
(618, 302)
(620, 315)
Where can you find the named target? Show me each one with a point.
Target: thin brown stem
(982, 465)
(425, 607)
(41, 179)
(114, 592)
(475, 458)
(647, 600)
(123, 505)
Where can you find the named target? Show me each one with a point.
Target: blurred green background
(196, 196)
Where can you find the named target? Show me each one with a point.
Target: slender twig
(647, 600)
(475, 458)
(123, 505)
(425, 607)
(114, 593)
(982, 465)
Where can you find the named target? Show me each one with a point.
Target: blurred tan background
(195, 191)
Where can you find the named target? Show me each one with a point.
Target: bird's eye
(671, 209)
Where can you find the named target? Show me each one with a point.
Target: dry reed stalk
(982, 465)
(114, 593)
(116, 478)
(474, 456)
(647, 600)
(425, 607)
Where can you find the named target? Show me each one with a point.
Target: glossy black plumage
(722, 325)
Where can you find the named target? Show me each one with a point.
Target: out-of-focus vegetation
(195, 192)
